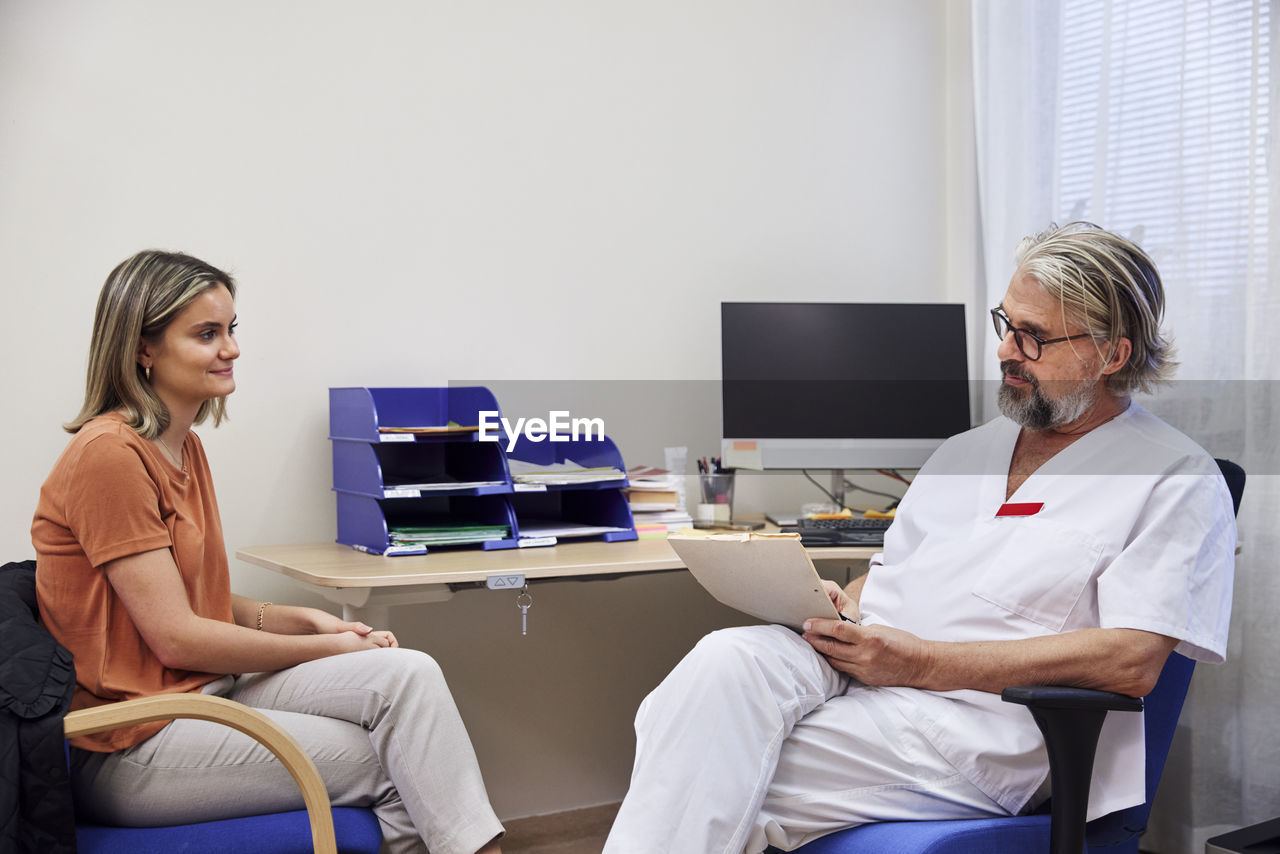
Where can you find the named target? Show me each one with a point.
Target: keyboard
(845, 531)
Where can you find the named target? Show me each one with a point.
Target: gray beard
(1035, 410)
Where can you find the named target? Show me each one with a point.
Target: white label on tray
(529, 487)
(527, 542)
(395, 437)
(401, 493)
(405, 550)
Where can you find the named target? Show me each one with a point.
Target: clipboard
(768, 576)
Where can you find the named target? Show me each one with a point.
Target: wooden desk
(366, 585)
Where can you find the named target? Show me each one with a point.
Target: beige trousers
(380, 725)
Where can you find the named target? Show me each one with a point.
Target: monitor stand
(837, 488)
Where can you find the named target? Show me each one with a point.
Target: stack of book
(655, 502)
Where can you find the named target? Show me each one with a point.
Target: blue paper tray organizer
(588, 503)
(362, 413)
(405, 458)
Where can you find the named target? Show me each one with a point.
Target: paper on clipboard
(769, 576)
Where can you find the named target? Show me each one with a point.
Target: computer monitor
(841, 385)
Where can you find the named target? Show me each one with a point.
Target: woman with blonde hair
(132, 577)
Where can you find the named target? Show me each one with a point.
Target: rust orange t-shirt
(112, 494)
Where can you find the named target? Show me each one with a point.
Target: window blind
(1162, 123)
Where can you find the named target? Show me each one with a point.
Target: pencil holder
(717, 497)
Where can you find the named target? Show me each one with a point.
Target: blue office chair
(1070, 719)
(318, 828)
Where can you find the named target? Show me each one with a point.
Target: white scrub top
(1136, 531)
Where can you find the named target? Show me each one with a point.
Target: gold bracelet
(261, 610)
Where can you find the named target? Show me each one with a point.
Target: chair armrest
(238, 716)
(1060, 697)
(1070, 719)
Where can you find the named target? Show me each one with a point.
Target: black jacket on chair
(37, 679)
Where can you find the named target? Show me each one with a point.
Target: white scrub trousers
(754, 740)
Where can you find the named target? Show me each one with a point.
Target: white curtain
(1014, 97)
(1154, 119)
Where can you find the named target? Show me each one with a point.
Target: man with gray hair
(1076, 540)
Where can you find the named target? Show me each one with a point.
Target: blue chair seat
(974, 836)
(357, 831)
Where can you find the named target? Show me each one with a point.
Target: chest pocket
(1038, 569)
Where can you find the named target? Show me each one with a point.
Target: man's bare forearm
(1125, 661)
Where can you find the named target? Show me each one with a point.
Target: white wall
(414, 192)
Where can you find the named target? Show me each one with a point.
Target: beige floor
(577, 832)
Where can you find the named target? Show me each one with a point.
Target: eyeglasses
(1029, 343)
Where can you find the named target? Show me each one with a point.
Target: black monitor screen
(844, 370)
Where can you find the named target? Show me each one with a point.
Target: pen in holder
(716, 493)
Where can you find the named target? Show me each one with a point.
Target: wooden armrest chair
(228, 713)
(37, 695)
